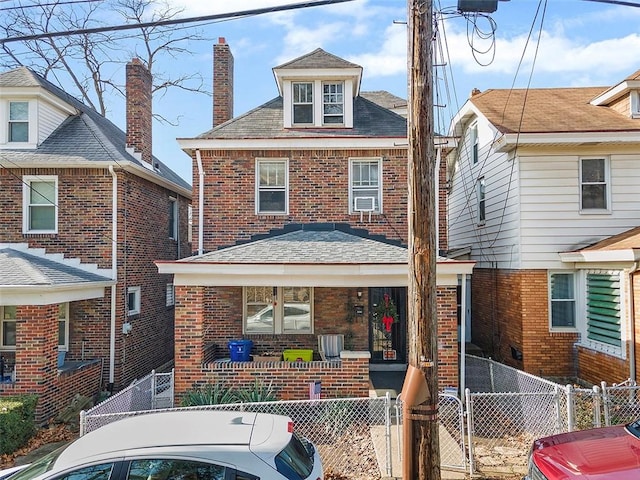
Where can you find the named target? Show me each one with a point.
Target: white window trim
(26, 187)
(4, 119)
(278, 317)
(379, 210)
(635, 104)
(313, 102)
(65, 347)
(576, 300)
(335, 82)
(170, 295)
(286, 186)
(135, 310)
(619, 352)
(318, 117)
(481, 190)
(5, 348)
(607, 182)
(173, 228)
(475, 143)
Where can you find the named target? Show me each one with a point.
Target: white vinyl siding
(550, 207)
(49, 118)
(497, 238)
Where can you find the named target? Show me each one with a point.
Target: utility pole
(421, 443)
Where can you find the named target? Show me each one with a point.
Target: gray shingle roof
(309, 246)
(20, 268)
(87, 136)
(384, 99)
(266, 121)
(317, 59)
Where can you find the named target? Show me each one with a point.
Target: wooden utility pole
(421, 445)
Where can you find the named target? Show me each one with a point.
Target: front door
(388, 340)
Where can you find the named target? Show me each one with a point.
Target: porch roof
(623, 248)
(32, 277)
(308, 257)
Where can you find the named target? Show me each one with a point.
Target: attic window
(333, 103)
(18, 121)
(303, 103)
(635, 104)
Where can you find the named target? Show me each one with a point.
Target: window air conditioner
(364, 204)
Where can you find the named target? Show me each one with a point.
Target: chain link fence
(148, 393)
(508, 409)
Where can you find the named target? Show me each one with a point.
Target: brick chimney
(222, 82)
(139, 110)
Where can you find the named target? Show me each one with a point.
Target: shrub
(17, 421)
(219, 393)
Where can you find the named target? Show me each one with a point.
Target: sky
(524, 43)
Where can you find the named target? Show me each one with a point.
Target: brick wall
(139, 109)
(222, 82)
(208, 317)
(85, 232)
(318, 193)
(510, 309)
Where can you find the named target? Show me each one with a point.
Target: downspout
(114, 276)
(463, 335)
(200, 202)
(437, 199)
(632, 321)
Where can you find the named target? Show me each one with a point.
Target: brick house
(86, 209)
(300, 226)
(544, 196)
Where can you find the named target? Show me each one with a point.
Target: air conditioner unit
(364, 204)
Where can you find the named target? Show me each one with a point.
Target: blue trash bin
(240, 350)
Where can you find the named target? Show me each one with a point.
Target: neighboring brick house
(86, 210)
(545, 195)
(300, 226)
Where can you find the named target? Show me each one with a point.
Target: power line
(615, 2)
(23, 7)
(243, 13)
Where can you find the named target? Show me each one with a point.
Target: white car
(184, 445)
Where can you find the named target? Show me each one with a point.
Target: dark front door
(388, 341)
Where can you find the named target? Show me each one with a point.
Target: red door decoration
(387, 312)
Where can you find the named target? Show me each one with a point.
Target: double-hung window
(482, 200)
(63, 327)
(18, 121)
(594, 184)
(603, 308)
(562, 297)
(40, 204)
(278, 310)
(365, 185)
(333, 103)
(303, 103)
(8, 327)
(272, 184)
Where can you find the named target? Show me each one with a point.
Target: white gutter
(200, 202)
(632, 329)
(437, 199)
(463, 335)
(114, 276)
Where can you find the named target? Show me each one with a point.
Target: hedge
(17, 421)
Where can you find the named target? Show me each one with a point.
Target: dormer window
(303, 103)
(19, 122)
(333, 103)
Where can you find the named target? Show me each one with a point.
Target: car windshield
(295, 462)
(44, 464)
(634, 428)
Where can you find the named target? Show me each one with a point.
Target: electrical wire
(24, 7)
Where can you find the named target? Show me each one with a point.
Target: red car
(610, 453)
